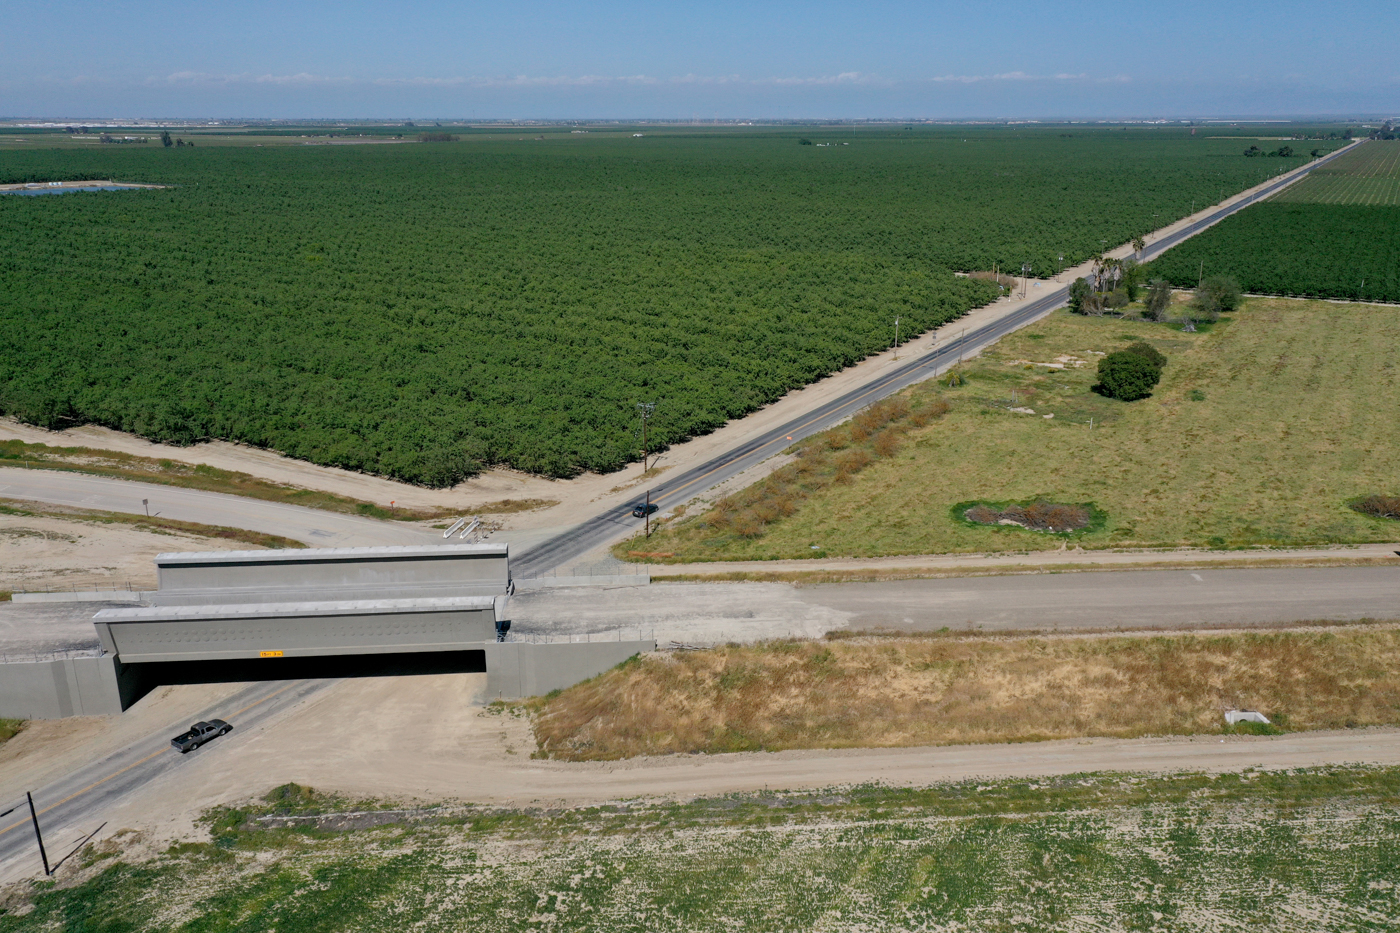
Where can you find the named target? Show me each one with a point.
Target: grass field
(867, 692)
(1369, 175)
(419, 310)
(1260, 432)
(1291, 851)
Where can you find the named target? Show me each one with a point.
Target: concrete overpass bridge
(294, 614)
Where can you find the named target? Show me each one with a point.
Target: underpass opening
(139, 679)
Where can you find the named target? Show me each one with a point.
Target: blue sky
(616, 59)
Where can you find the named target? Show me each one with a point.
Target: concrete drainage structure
(294, 614)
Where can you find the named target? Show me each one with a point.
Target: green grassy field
(1290, 851)
(1259, 433)
(420, 310)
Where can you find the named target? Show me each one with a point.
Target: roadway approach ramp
(294, 614)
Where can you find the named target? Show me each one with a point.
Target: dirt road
(425, 739)
(316, 527)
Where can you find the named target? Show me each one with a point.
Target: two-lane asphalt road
(78, 803)
(328, 529)
(618, 522)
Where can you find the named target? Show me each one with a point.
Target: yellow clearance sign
(269, 654)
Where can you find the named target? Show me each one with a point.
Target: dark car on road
(644, 509)
(200, 733)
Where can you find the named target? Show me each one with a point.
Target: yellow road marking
(133, 765)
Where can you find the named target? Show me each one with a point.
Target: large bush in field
(1128, 375)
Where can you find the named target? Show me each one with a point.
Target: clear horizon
(624, 60)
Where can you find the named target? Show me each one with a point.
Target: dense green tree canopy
(418, 310)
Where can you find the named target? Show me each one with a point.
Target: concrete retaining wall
(522, 669)
(59, 688)
(315, 574)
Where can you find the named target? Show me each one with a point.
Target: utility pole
(648, 511)
(37, 835)
(1200, 279)
(896, 335)
(646, 408)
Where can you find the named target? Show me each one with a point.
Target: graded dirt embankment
(51, 547)
(899, 691)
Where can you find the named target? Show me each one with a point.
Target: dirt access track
(426, 739)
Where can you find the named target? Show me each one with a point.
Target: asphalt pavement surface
(1165, 599)
(75, 805)
(618, 522)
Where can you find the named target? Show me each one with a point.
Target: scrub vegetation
(1265, 427)
(1297, 851)
(419, 310)
(949, 689)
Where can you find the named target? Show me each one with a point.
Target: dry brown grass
(875, 433)
(901, 691)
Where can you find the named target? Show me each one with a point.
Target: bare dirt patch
(59, 548)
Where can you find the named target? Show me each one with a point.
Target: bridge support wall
(523, 669)
(60, 688)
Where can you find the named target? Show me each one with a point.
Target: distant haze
(726, 60)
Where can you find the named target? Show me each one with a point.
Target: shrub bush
(1079, 294)
(1039, 515)
(1148, 352)
(1127, 376)
(1379, 506)
(1217, 295)
(886, 443)
(1159, 298)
